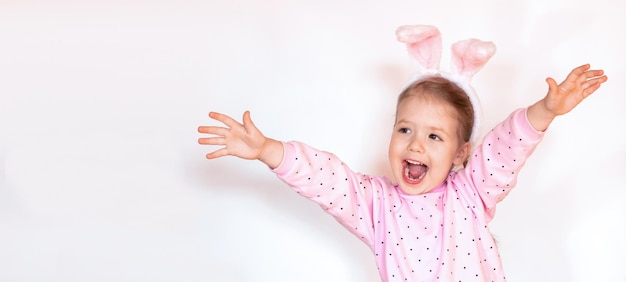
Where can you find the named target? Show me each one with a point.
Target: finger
(593, 85)
(216, 154)
(213, 130)
(599, 79)
(590, 89)
(592, 81)
(593, 73)
(588, 76)
(247, 122)
(230, 122)
(577, 72)
(552, 85)
(581, 69)
(212, 141)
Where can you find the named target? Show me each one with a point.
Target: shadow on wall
(284, 225)
(248, 180)
(572, 226)
(595, 243)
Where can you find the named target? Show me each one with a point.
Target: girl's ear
(462, 154)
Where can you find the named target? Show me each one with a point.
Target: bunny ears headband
(423, 43)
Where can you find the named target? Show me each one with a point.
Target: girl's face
(425, 144)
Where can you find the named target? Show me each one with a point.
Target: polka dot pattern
(442, 235)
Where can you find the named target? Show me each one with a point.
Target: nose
(416, 146)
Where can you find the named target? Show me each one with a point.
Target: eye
(435, 137)
(404, 130)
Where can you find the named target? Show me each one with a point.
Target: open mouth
(414, 171)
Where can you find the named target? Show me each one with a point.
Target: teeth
(414, 162)
(407, 170)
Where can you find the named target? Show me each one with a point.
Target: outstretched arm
(562, 98)
(241, 140)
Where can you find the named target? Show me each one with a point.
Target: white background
(101, 178)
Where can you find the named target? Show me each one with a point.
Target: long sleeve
(441, 234)
(323, 178)
(493, 168)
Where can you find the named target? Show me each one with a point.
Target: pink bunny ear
(468, 56)
(423, 43)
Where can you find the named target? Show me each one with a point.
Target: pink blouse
(441, 235)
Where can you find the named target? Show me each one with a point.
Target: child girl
(428, 223)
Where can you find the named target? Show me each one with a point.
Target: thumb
(552, 85)
(248, 125)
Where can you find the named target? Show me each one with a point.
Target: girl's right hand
(241, 140)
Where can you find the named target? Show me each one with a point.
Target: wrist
(540, 116)
(271, 153)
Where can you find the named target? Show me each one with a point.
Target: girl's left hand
(580, 83)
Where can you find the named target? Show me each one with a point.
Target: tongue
(416, 170)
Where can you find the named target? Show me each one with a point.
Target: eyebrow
(431, 128)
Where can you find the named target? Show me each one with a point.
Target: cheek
(394, 151)
(395, 146)
(391, 153)
(448, 155)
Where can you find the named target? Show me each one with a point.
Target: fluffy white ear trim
(469, 56)
(423, 42)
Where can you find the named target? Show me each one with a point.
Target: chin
(406, 188)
